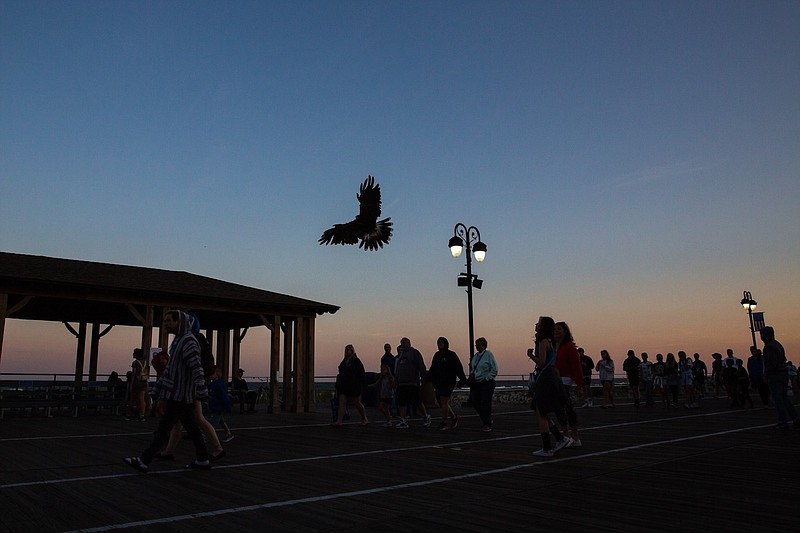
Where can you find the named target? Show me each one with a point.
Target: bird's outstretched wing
(369, 200)
(348, 233)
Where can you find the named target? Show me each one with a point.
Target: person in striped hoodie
(176, 391)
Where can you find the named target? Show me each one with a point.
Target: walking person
(672, 376)
(744, 384)
(730, 376)
(687, 379)
(605, 370)
(482, 382)
(646, 379)
(699, 374)
(631, 368)
(659, 379)
(587, 365)
(348, 386)
(385, 386)
(549, 390)
(716, 373)
(138, 384)
(446, 370)
(181, 384)
(568, 364)
(409, 372)
(755, 368)
(777, 377)
(219, 403)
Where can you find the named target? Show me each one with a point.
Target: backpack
(206, 355)
(143, 371)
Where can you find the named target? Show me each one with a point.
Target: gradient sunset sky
(632, 166)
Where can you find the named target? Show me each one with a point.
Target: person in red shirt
(568, 364)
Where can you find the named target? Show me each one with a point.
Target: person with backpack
(138, 386)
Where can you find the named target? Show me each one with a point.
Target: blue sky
(632, 166)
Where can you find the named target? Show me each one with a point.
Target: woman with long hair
(549, 391)
(605, 368)
(568, 364)
(348, 385)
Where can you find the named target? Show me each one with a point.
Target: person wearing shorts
(409, 372)
(446, 369)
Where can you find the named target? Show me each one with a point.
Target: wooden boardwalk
(709, 469)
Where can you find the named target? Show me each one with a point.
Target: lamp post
(749, 304)
(471, 239)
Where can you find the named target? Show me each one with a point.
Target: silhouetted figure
(366, 227)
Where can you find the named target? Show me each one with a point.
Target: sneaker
(543, 453)
(199, 465)
(576, 443)
(566, 442)
(487, 429)
(454, 422)
(388, 424)
(427, 421)
(443, 426)
(402, 424)
(228, 438)
(585, 404)
(135, 463)
(590, 404)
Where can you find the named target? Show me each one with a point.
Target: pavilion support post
(147, 332)
(94, 349)
(236, 354)
(80, 353)
(300, 366)
(311, 393)
(275, 362)
(288, 366)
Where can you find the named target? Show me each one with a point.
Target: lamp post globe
(750, 305)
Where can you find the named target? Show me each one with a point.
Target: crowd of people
(562, 382)
(187, 378)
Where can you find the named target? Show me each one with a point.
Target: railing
(50, 396)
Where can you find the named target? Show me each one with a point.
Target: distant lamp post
(750, 305)
(469, 238)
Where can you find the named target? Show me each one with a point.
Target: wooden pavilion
(94, 294)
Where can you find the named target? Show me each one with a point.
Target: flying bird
(366, 227)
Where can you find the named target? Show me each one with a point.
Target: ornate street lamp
(750, 305)
(469, 238)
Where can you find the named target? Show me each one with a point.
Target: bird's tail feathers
(378, 237)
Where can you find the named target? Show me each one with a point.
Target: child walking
(219, 403)
(385, 386)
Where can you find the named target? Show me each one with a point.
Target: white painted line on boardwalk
(349, 454)
(325, 424)
(401, 486)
